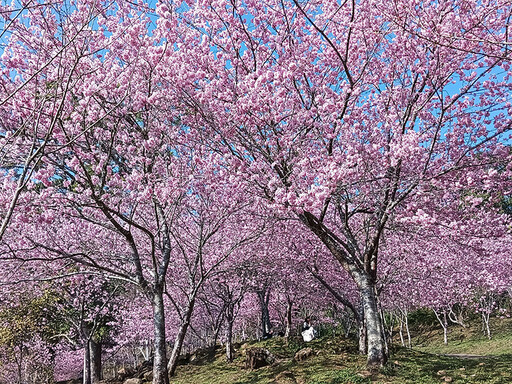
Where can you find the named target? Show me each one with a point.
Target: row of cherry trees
(78, 323)
(205, 157)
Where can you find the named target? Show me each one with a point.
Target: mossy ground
(335, 361)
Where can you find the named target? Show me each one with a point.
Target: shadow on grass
(268, 374)
(420, 367)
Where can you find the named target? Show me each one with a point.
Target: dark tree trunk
(180, 338)
(229, 333)
(216, 330)
(264, 298)
(230, 355)
(160, 375)
(215, 338)
(95, 348)
(176, 350)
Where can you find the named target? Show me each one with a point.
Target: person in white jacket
(308, 332)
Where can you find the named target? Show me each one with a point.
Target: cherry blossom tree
(212, 228)
(228, 289)
(347, 115)
(150, 145)
(444, 267)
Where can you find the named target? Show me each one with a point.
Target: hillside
(335, 361)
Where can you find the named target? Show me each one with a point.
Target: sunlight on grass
(335, 361)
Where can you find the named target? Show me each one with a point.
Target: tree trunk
(374, 336)
(176, 350)
(383, 325)
(364, 276)
(361, 325)
(216, 327)
(391, 328)
(19, 365)
(401, 331)
(215, 338)
(457, 318)
(229, 337)
(485, 324)
(264, 297)
(445, 329)
(145, 350)
(160, 375)
(409, 344)
(348, 322)
(362, 338)
(87, 363)
(444, 323)
(180, 338)
(289, 308)
(95, 349)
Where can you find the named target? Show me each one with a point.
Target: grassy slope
(335, 361)
(471, 340)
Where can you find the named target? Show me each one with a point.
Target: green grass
(425, 368)
(335, 361)
(471, 340)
